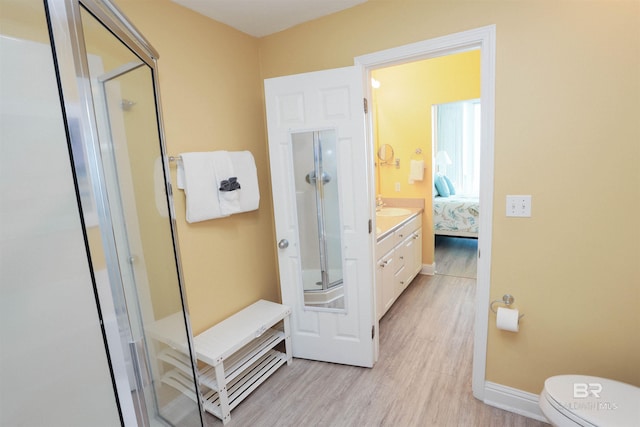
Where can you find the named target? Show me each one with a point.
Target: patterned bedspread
(456, 216)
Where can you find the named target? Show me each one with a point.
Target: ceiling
(263, 17)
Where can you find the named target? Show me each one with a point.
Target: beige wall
(567, 102)
(212, 100)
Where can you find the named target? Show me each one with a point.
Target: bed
(456, 216)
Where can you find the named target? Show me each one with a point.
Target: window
(456, 132)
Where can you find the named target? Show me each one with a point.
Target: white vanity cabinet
(399, 260)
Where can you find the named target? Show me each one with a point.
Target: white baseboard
(428, 269)
(513, 400)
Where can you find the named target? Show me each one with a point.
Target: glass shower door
(117, 152)
(145, 264)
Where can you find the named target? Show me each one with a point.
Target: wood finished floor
(456, 256)
(422, 378)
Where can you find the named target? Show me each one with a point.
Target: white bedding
(456, 216)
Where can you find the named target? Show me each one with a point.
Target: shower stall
(318, 211)
(89, 254)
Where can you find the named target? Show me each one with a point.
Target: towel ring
(417, 154)
(507, 299)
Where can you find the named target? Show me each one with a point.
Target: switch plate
(397, 186)
(519, 206)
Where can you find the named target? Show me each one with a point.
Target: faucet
(379, 203)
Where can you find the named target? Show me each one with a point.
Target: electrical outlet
(519, 206)
(397, 186)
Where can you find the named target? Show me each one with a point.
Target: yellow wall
(23, 19)
(212, 100)
(567, 108)
(567, 103)
(402, 107)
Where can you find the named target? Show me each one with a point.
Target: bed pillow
(441, 186)
(452, 190)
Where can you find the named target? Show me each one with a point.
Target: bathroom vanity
(398, 253)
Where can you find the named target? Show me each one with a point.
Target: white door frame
(484, 39)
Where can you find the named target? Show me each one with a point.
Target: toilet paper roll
(507, 319)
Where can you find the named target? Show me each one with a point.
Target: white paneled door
(309, 103)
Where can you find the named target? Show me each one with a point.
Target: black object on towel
(230, 184)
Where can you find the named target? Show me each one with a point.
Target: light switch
(519, 206)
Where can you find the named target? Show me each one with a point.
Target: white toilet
(581, 400)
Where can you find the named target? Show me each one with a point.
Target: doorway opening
(456, 137)
(428, 111)
(483, 40)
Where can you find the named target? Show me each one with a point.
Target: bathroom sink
(393, 212)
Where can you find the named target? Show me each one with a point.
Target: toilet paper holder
(507, 299)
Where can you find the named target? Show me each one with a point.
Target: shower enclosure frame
(70, 56)
(325, 178)
(309, 149)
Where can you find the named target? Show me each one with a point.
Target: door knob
(283, 244)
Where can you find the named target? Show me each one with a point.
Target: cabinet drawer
(387, 261)
(400, 234)
(412, 225)
(400, 281)
(385, 245)
(409, 227)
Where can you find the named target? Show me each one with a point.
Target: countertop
(386, 224)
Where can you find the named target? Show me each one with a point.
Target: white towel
(244, 166)
(180, 173)
(416, 171)
(200, 187)
(199, 175)
(223, 170)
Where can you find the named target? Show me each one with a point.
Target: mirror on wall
(318, 211)
(385, 153)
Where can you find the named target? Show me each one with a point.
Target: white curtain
(457, 132)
